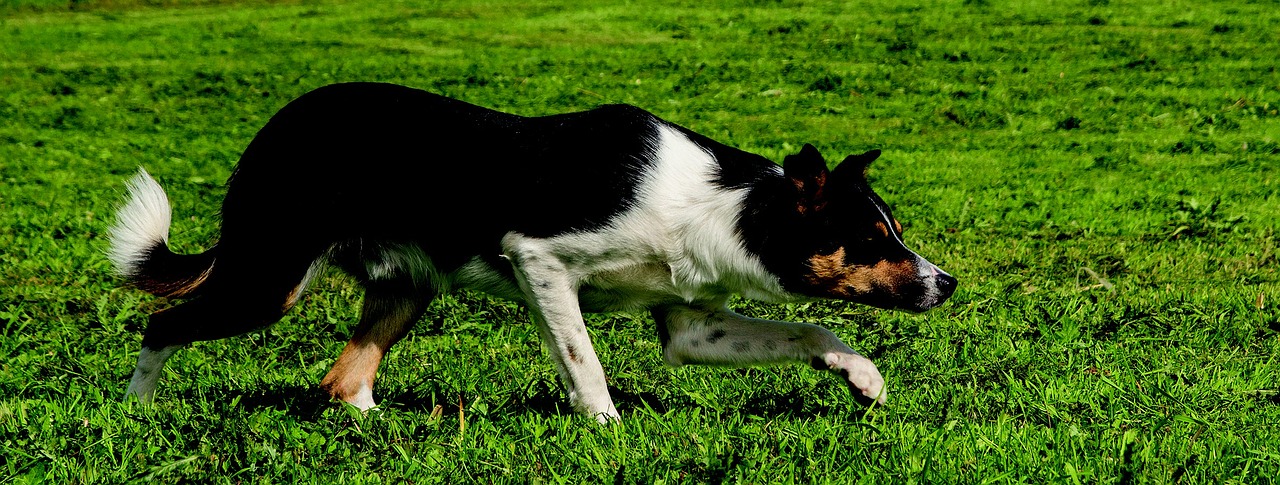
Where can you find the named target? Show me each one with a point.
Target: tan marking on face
(833, 276)
(884, 230)
(897, 226)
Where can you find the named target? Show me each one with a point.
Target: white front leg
(714, 335)
(552, 296)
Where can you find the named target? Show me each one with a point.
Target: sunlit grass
(1101, 176)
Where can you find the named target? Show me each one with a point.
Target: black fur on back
(380, 162)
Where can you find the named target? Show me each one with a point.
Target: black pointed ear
(857, 164)
(807, 170)
(808, 164)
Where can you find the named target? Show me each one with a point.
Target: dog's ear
(855, 165)
(807, 171)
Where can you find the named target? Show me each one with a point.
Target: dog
(414, 194)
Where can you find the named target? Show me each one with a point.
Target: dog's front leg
(714, 335)
(552, 296)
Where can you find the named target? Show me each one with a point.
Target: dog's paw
(358, 395)
(608, 417)
(859, 373)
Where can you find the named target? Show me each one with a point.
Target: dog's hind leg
(208, 317)
(390, 309)
(234, 301)
(150, 362)
(714, 335)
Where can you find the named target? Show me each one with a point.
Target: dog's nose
(946, 285)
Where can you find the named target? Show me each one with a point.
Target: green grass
(1029, 146)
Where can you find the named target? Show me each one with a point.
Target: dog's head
(831, 236)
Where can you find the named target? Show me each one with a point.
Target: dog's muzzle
(939, 285)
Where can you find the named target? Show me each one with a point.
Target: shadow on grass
(548, 401)
(310, 402)
(305, 402)
(789, 404)
(542, 400)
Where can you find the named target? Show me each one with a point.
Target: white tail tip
(141, 224)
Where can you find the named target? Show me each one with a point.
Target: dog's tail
(140, 249)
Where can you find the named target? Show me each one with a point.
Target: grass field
(1102, 177)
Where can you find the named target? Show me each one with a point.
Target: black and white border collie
(415, 194)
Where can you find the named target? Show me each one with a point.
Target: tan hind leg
(388, 314)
